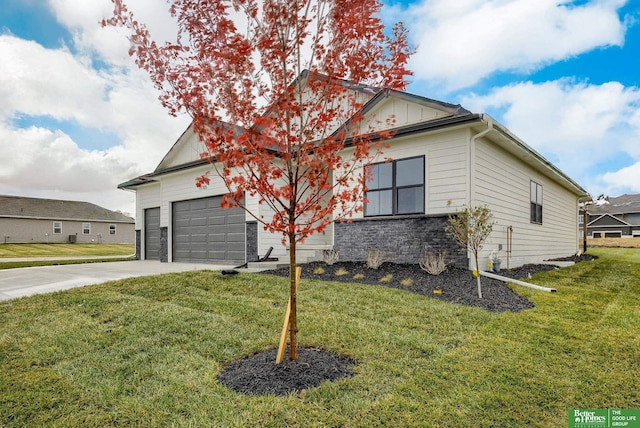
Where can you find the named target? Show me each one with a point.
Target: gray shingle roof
(53, 209)
(624, 204)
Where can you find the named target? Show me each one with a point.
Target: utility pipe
(515, 281)
(509, 243)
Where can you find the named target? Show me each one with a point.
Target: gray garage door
(205, 232)
(152, 234)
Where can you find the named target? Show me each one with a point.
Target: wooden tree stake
(285, 327)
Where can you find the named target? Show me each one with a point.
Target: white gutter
(515, 281)
(489, 120)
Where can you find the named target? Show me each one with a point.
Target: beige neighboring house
(444, 158)
(34, 220)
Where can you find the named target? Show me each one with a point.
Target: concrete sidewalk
(22, 282)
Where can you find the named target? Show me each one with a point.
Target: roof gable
(186, 149)
(411, 114)
(405, 109)
(607, 220)
(54, 209)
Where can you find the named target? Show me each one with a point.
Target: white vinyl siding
(446, 168)
(502, 182)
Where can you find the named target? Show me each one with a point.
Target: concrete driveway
(44, 279)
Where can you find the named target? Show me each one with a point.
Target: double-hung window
(57, 227)
(536, 203)
(86, 228)
(395, 187)
(112, 229)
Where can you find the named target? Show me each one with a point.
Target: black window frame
(395, 188)
(535, 202)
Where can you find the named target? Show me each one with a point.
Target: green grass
(146, 352)
(64, 250)
(33, 263)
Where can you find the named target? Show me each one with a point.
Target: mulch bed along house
(258, 374)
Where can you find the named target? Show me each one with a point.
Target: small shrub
(358, 276)
(318, 271)
(330, 256)
(375, 258)
(407, 282)
(341, 272)
(386, 278)
(433, 263)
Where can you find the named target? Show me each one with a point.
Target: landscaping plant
(433, 263)
(263, 82)
(470, 228)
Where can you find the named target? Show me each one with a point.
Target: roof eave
(538, 159)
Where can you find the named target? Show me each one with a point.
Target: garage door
(152, 234)
(205, 232)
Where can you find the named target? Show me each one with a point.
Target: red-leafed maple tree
(276, 90)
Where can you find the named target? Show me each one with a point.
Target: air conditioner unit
(72, 239)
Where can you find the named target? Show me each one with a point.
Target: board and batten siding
(502, 182)
(403, 113)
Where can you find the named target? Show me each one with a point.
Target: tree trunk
(478, 277)
(293, 328)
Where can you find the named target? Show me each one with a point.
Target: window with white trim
(536, 203)
(57, 227)
(395, 187)
(112, 229)
(86, 228)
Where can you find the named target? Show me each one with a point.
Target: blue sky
(77, 117)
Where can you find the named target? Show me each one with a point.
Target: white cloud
(575, 125)
(461, 42)
(83, 19)
(38, 162)
(39, 81)
(624, 180)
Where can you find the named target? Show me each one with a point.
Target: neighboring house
(33, 220)
(444, 158)
(617, 217)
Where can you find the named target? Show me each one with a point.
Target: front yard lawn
(64, 250)
(147, 352)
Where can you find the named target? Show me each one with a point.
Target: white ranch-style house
(444, 159)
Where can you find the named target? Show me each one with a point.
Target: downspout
(489, 120)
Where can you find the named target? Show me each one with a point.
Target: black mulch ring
(260, 375)
(455, 284)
